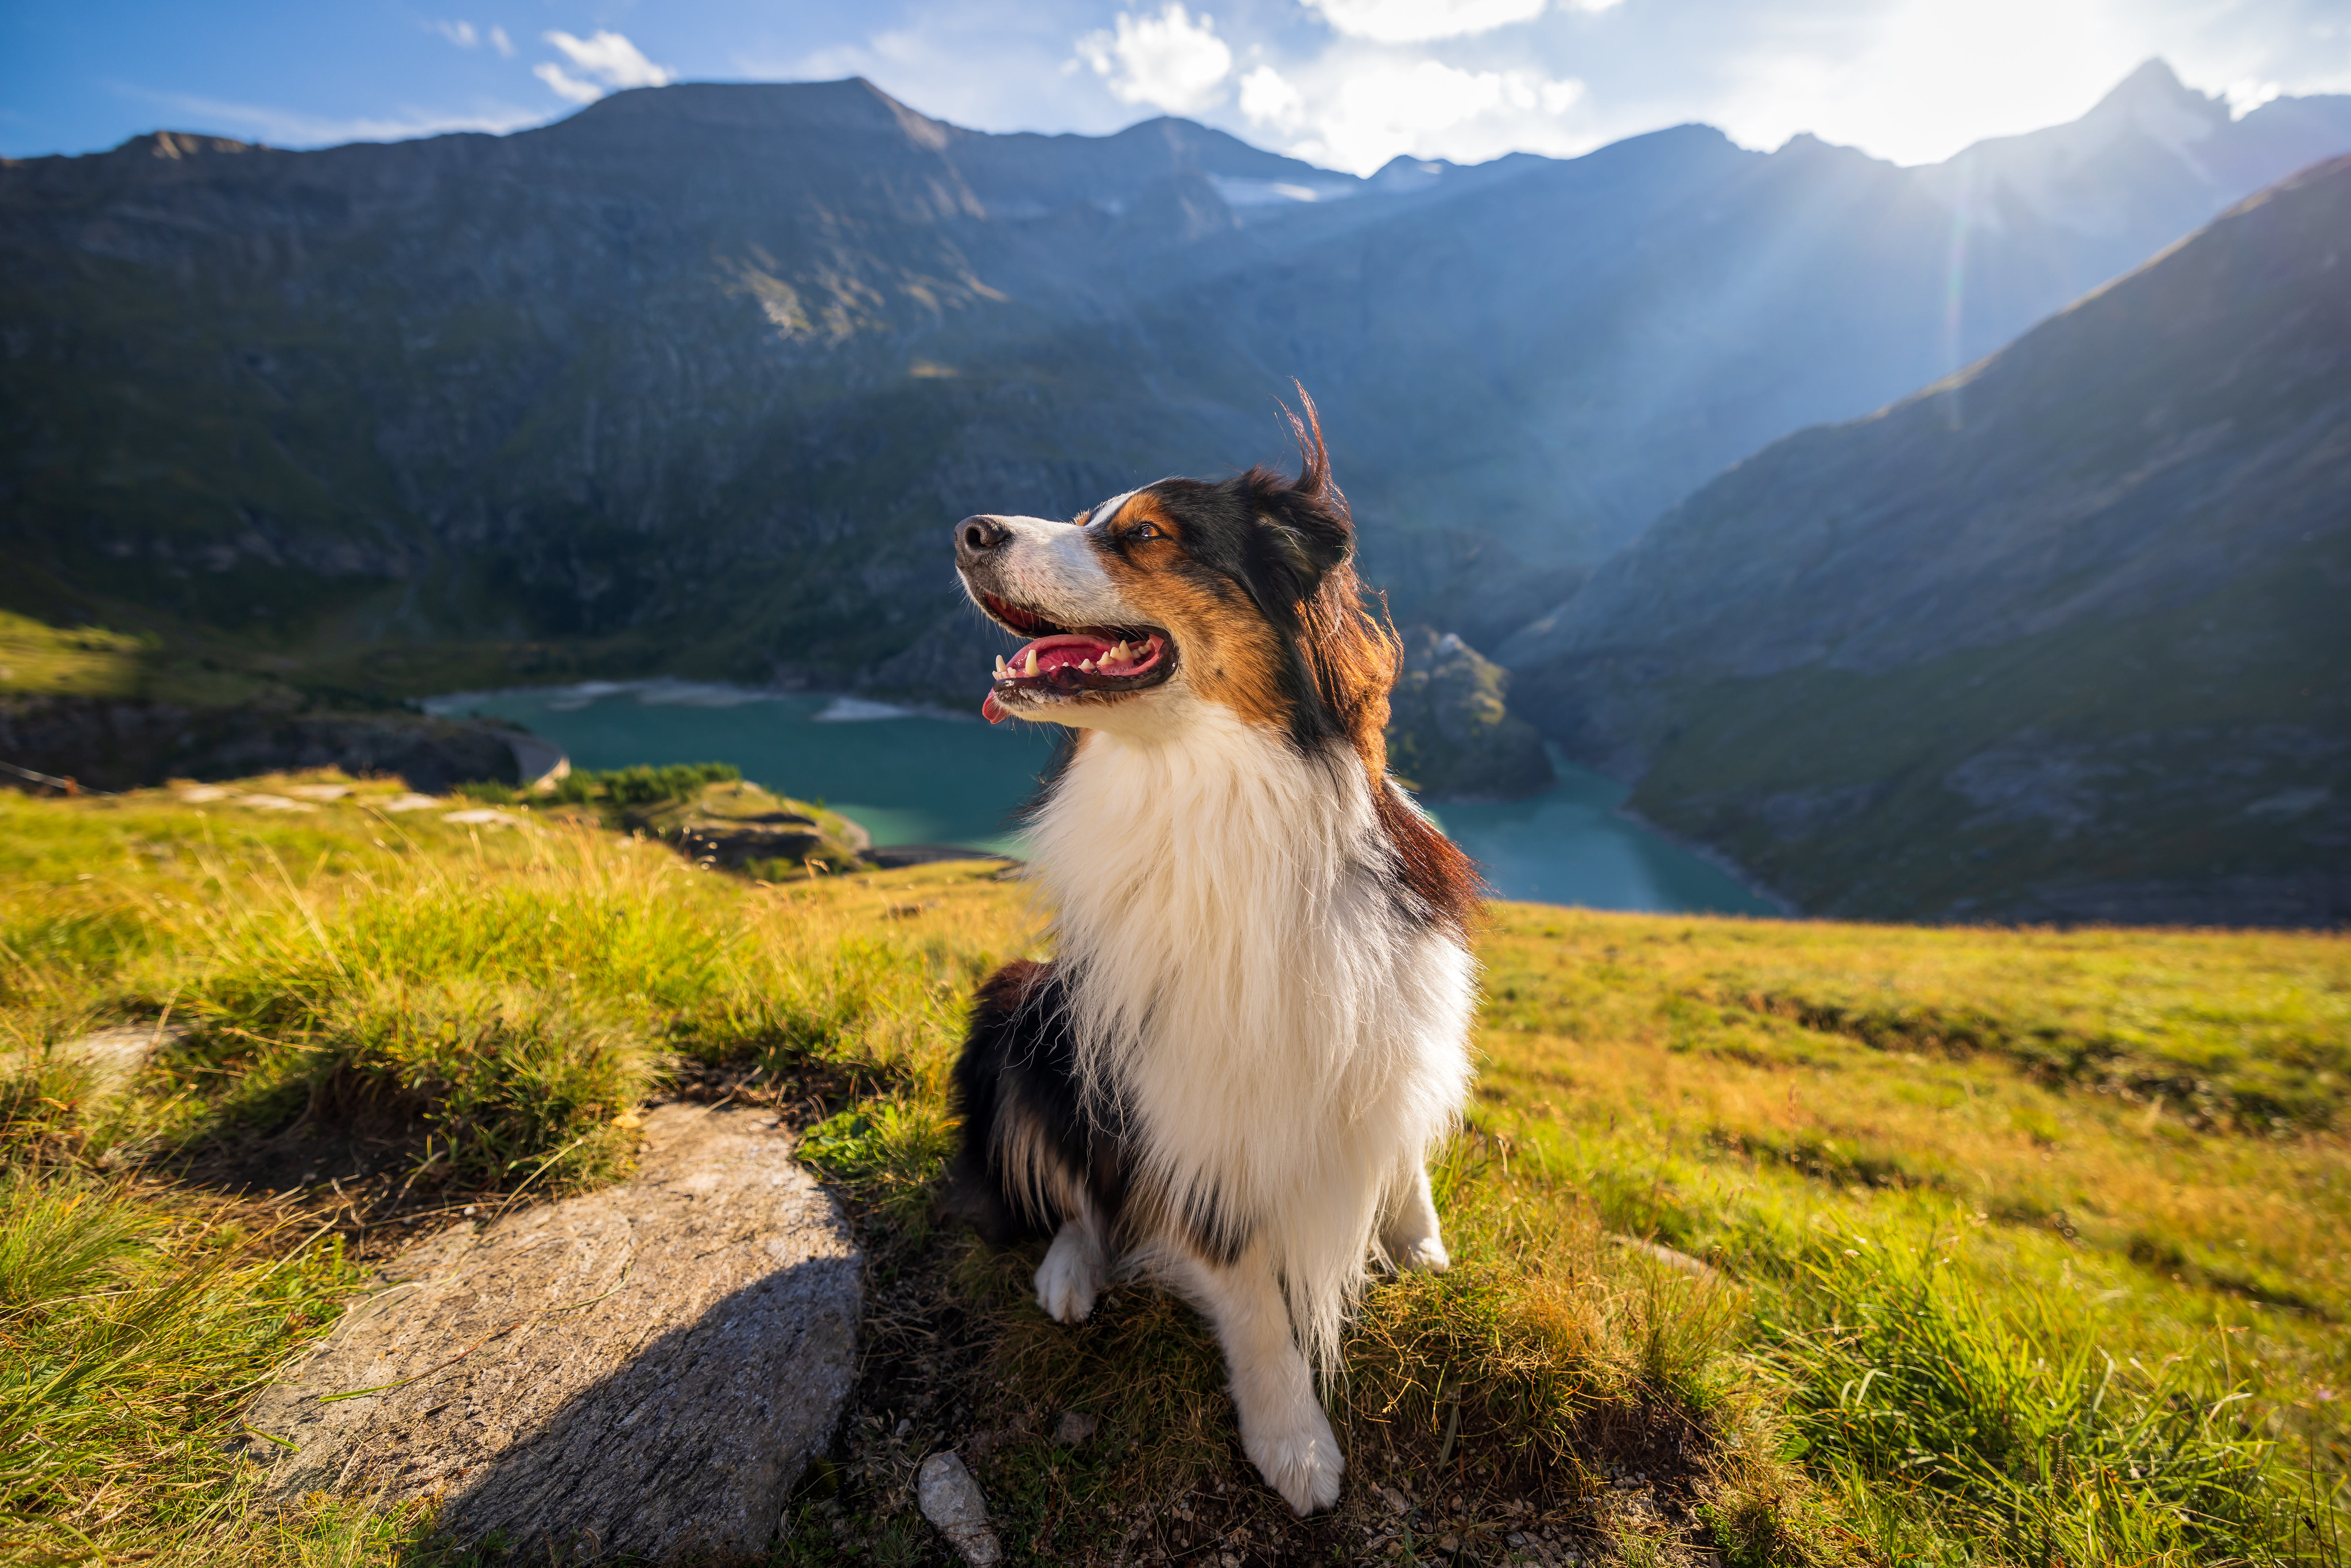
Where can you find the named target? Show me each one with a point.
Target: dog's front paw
(1069, 1277)
(1425, 1256)
(1299, 1460)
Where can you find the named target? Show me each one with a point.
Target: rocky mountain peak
(2153, 152)
(852, 105)
(178, 144)
(2153, 101)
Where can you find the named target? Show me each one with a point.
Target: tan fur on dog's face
(1228, 651)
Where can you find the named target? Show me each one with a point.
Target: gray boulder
(641, 1371)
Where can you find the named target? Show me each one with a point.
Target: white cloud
(461, 34)
(1167, 60)
(607, 57)
(2247, 95)
(500, 42)
(565, 84)
(1358, 113)
(1420, 21)
(1267, 99)
(1907, 79)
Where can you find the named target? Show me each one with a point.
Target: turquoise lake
(915, 777)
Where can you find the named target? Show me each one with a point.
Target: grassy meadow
(1776, 1242)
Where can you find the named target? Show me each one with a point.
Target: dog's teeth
(1031, 669)
(1087, 665)
(1120, 654)
(1003, 669)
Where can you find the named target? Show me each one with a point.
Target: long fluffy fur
(1256, 1028)
(1281, 1033)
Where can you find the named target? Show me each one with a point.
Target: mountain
(2061, 637)
(694, 379)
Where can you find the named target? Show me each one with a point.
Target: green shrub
(644, 785)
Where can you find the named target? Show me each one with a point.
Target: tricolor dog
(1231, 1078)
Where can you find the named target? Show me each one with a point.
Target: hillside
(692, 379)
(1777, 1243)
(2059, 638)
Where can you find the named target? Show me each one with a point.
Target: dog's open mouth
(1060, 664)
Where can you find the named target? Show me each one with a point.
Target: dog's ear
(1304, 524)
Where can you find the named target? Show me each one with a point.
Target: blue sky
(1347, 83)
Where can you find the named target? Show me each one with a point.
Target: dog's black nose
(977, 535)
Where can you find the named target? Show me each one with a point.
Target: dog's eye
(1145, 532)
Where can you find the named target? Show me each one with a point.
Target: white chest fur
(1287, 1040)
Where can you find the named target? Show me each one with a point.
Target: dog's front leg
(1410, 1236)
(1072, 1272)
(1283, 1429)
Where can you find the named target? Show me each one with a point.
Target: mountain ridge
(2059, 637)
(691, 376)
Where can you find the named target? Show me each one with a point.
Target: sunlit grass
(2000, 1217)
(2064, 1221)
(85, 661)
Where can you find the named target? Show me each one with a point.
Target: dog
(1256, 1025)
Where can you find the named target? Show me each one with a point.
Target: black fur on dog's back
(1035, 1152)
(1030, 1143)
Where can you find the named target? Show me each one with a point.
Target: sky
(1347, 84)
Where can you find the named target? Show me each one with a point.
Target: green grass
(2027, 1248)
(78, 661)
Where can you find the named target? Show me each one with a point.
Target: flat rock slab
(639, 1373)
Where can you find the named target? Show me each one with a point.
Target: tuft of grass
(2008, 1422)
(133, 1326)
(57, 1239)
(893, 1149)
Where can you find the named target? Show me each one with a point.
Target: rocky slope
(699, 375)
(739, 827)
(1451, 736)
(2060, 637)
(128, 743)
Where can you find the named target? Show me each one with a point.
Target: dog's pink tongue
(993, 711)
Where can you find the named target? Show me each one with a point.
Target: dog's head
(1239, 593)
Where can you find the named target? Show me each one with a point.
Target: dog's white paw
(1425, 1255)
(1299, 1459)
(1070, 1277)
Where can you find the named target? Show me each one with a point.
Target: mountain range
(701, 371)
(694, 379)
(2062, 637)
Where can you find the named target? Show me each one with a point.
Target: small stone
(1395, 1499)
(1448, 1544)
(1075, 1428)
(114, 1056)
(950, 1500)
